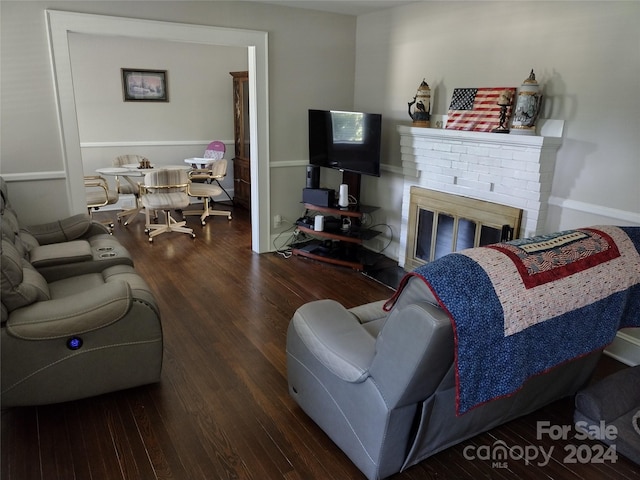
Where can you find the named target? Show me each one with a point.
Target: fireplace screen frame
(504, 219)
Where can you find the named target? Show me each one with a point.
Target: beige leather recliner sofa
(68, 246)
(73, 327)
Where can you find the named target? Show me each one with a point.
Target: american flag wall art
(477, 109)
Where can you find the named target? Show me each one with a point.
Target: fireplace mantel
(513, 170)
(441, 134)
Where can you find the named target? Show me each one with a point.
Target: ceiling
(345, 7)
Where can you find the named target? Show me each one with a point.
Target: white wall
(585, 56)
(311, 64)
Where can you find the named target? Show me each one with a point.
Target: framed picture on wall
(139, 85)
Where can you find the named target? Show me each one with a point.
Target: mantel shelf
(441, 134)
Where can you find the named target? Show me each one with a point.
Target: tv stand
(334, 245)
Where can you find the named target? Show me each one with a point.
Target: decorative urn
(420, 114)
(527, 107)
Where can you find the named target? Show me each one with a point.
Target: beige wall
(199, 110)
(586, 56)
(199, 87)
(311, 65)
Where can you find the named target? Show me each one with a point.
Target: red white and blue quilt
(523, 307)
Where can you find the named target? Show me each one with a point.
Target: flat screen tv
(347, 141)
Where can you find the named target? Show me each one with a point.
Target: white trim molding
(150, 143)
(305, 163)
(625, 348)
(600, 210)
(35, 176)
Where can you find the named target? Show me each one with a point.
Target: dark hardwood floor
(221, 409)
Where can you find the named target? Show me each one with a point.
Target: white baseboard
(625, 348)
(592, 209)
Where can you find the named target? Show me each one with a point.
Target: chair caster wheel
(193, 235)
(150, 239)
(203, 224)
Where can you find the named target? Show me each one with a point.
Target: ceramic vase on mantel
(421, 104)
(527, 107)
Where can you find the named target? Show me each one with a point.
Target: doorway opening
(61, 24)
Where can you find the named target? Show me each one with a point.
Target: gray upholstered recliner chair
(75, 337)
(382, 384)
(70, 246)
(469, 342)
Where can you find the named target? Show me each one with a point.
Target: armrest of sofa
(370, 312)
(60, 253)
(72, 315)
(413, 353)
(70, 228)
(336, 338)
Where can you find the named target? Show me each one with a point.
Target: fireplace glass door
(441, 223)
(448, 234)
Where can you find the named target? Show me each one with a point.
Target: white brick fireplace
(514, 170)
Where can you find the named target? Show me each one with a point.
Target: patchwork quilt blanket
(523, 307)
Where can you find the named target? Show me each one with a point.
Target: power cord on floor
(285, 249)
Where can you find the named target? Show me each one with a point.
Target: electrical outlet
(277, 220)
